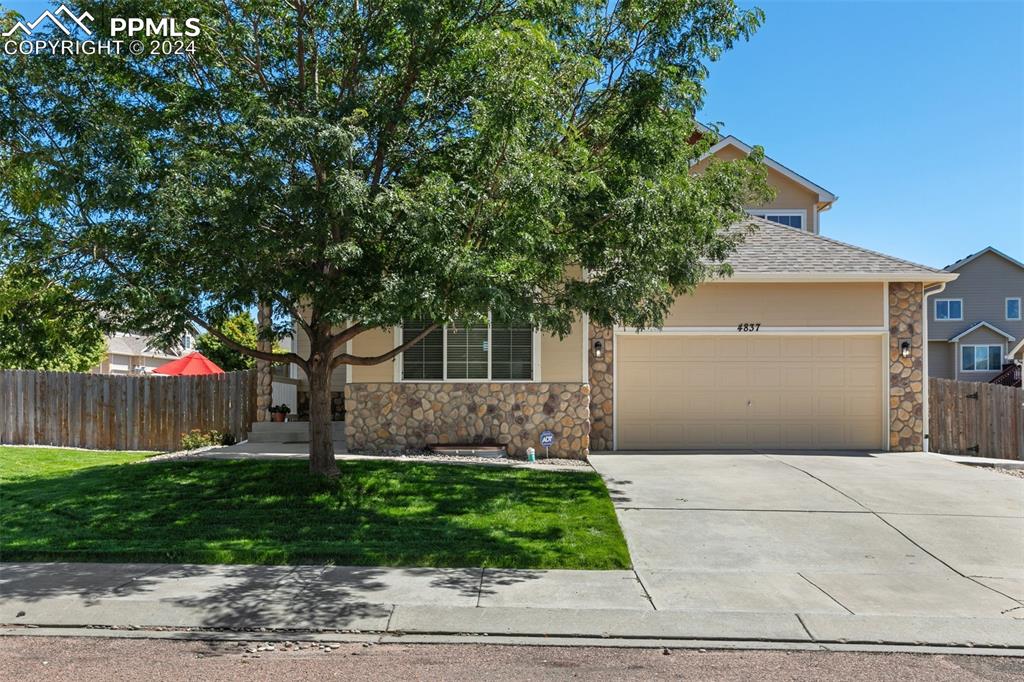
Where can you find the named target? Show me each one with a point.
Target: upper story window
(981, 358)
(795, 219)
(494, 352)
(186, 342)
(1013, 308)
(949, 309)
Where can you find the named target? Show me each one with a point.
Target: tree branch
(346, 359)
(245, 350)
(335, 341)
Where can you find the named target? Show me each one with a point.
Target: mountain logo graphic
(52, 16)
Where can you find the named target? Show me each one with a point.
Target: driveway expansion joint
(906, 537)
(818, 587)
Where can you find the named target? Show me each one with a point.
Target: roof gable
(770, 251)
(980, 325)
(988, 249)
(823, 195)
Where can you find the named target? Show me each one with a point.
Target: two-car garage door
(749, 391)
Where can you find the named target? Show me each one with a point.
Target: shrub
(195, 439)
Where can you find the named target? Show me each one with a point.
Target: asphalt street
(60, 659)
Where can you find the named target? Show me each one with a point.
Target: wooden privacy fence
(121, 412)
(974, 418)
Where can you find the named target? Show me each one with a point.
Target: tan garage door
(749, 391)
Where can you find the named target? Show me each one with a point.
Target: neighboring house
(811, 344)
(134, 354)
(975, 324)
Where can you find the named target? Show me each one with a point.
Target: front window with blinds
(498, 352)
(425, 360)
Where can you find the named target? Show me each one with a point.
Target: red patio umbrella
(194, 363)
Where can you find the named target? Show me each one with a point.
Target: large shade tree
(358, 163)
(43, 326)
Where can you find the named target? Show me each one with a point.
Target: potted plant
(279, 412)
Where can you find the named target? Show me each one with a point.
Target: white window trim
(534, 350)
(1002, 355)
(1006, 308)
(762, 212)
(935, 310)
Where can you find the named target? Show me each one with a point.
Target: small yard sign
(547, 439)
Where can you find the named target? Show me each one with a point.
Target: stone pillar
(264, 378)
(601, 389)
(906, 374)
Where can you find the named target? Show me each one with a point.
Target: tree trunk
(321, 445)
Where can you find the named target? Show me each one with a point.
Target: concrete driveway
(890, 534)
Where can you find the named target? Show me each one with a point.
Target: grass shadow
(272, 512)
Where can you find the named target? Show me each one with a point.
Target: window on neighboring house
(186, 342)
(1013, 308)
(949, 309)
(787, 218)
(981, 358)
(499, 351)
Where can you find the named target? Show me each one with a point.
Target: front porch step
(289, 432)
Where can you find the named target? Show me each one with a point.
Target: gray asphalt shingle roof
(134, 344)
(773, 249)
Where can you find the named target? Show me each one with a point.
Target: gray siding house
(975, 325)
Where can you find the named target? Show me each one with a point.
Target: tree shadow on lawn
(377, 513)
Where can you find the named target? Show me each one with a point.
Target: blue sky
(912, 112)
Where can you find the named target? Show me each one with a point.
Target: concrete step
(289, 432)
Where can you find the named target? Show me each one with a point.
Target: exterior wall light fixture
(598, 348)
(905, 348)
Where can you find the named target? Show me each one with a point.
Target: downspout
(927, 377)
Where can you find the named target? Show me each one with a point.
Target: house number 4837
(748, 326)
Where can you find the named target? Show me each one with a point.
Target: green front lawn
(82, 506)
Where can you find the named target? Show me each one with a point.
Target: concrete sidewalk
(421, 601)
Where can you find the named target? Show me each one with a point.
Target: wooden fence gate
(118, 412)
(974, 418)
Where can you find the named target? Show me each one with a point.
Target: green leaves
(382, 160)
(43, 326)
(240, 328)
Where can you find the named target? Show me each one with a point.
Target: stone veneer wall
(415, 415)
(264, 375)
(601, 388)
(906, 375)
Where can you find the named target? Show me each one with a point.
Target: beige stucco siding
(371, 343)
(562, 359)
(789, 194)
(781, 305)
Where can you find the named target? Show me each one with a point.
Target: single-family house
(810, 344)
(975, 325)
(136, 354)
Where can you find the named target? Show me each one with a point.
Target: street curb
(572, 625)
(535, 641)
